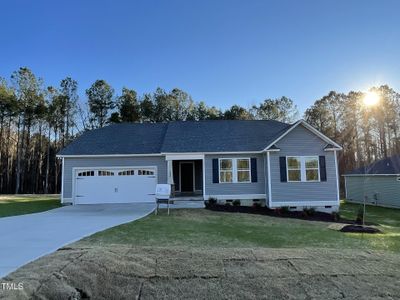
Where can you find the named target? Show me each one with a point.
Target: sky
(223, 52)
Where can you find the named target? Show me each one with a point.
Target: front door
(187, 170)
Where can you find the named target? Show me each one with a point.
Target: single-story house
(377, 183)
(272, 162)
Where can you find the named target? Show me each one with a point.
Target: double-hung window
(294, 168)
(226, 170)
(312, 168)
(243, 170)
(234, 170)
(302, 168)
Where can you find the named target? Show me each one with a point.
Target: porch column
(170, 175)
(170, 171)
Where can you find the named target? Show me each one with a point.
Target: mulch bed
(360, 229)
(314, 216)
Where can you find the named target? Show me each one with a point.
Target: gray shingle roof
(220, 135)
(119, 139)
(179, 136)
(390, 165)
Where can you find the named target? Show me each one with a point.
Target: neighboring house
(279, 164)
(378, 183)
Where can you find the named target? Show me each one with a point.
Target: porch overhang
(183, 156)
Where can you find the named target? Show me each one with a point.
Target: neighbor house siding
(301, 142)
(234, 188)
(379, 190)
(70, 163)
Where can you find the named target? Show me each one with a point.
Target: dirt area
(118, 272)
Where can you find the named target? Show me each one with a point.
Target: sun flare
(371, 98)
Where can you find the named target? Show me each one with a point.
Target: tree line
(36, 121)
(366, 132)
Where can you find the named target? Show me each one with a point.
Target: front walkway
(28, 237)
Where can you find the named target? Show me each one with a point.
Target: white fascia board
(304, 203)
(109, 155)
(332, 149)
(200, 155)
(272, 150)
(310, 128)
(367, 175)
(183, 156)
(212, 153)
(236, 196)
(114, 167)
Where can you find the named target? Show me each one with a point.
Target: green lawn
(13, 205)
(203, 228)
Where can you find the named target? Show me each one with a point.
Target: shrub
(284, 210)
(335, 216)
(228, 203)
(210, 202)
(309, 211)
(257, 205)
(236, 203)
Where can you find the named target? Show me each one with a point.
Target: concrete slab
(28, 237)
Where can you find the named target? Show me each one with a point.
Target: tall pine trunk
(46, 185)
(18, 158)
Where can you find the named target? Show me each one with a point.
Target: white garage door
(122, 185)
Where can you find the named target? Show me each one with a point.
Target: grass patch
(14, 205)
(204, 228)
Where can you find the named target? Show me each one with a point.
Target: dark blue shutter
(322, 168)
(282, 165)
(215, 170)
(253, 169)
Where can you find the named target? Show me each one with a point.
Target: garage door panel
(124, 186)
(94, 190)
(142, 190)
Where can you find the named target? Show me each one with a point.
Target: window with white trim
(294, 168)
(302, 168)
(234, 170)
(226, 170)
(243, 169)
(312, 168)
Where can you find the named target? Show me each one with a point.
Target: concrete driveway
(28, 237)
